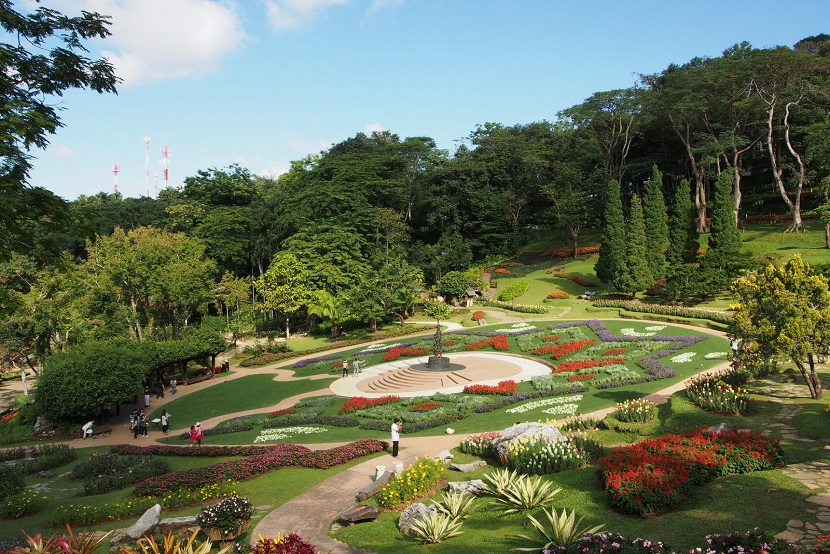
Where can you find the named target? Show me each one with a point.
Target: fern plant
(436, 527)
(559, 530)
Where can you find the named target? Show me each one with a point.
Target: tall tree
(284, 287)
(684, 241)
(656, 224)
(784, 313)
(724, 249)
(42, 56)
(611, 259)
(635, 275)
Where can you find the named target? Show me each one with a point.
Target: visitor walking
(397, 426)
(146, 396)
(356, 366)
(173, 384)
(165, 421)
(193, 435)
(199, 434)
(345, 368)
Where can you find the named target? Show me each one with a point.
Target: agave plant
(436, 527)
(527, 493)
(498, 481)
(455, 504)
(559, 530)
(172, 545)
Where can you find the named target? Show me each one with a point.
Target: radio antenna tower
(165, 163)
(115, 171)
(147, 164)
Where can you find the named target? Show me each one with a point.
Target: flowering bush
(658, 474)
(755, 540)
(504, 388)
(226, 515)
(23, 504)
(415, 481)
(396, 352)
(478, 314)
(558, 295)
(537, 456)
(480, 444)
(638, 410)
(679, 311)
(502, 271)
(425, 407)
(361, 402)
(711, 393)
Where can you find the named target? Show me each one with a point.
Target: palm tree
(327, 307)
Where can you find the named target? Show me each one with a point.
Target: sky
(262, 83)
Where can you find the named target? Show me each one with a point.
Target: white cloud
(305, 148)
(60, 151)
(154, 40)
(373, 128)
(291, 14)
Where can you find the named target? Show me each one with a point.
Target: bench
(199, 379)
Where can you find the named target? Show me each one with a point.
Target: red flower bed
(558, 294)
(499, 342)
(568, 252)
(286, 411)
(505, 388)
(584, 364)
(613, 351)
(658, 474)
(425, 407)
(8, 417)
(396, 352)
(478, 314)
(582, 377)
(450, 342)
(550, 338)
(502, 271)
(565, 348)
(360, 402)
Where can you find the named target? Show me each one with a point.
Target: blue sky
(261, 83)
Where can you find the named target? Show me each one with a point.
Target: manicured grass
(246, 393)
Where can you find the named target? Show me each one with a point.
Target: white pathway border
(348, 386)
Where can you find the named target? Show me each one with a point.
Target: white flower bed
(381, 346)
(630, 332)
(713, 355)
(269, 435)
(682, 358)
(656, 328)
(515, 329)
(532, 405)
(564, 409)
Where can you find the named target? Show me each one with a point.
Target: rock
(145, 525)
(184, 525)
(42, 425)
(445, 455)
(472, 466)
(374, 487)
(410, 514)
(117, 538)
(474, 486)
(46, 474)
(719, 428)
(530, 430)
(359, 512)
(397, 468)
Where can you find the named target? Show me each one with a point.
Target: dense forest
(357, 231)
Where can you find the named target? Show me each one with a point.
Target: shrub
(436, 526)
(23, 504)
(559, 530)
(226, 515)
(576, 279)
(537, 456)
(558, 295)
(523, 308)
(291, 543)
(478, 314)
(11, 481)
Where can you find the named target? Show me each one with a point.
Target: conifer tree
(724, 249)
(611, 260)
(656, 226)
(636, 275)
(684, 240)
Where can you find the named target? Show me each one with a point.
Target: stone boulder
(145, 525)
(410, 514)
(184, 525)
(46, 474)
(42, 425)
(530, 430)
(445, 455)
(474, 486)
(359, 512)
(472, 466)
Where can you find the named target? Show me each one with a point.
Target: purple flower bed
(265, 459)
(288, 420)
(327, 358)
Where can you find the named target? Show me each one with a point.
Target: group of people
(196, 434)
(138, 423)
(355, 367)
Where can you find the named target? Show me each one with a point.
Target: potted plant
(228, 519)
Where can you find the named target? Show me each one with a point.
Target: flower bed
(711, 393)
(576, 279)
(558, 295)
(395, 353)
(361, 402)
(504, 388)
(499, 342)
(569, 252)
(523, 308)
(582, 377)
(638, 410)
(658, 474)
(415, 481)
(576, 365)
(565, 348)
(480, 444)
(425, 407)
(478, 314)
(679, 311)
(286, 411)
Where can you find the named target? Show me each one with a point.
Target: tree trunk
(816, 380)
(797, 224)
(287, 334)
(827, 234)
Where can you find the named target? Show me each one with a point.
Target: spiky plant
(455, 504)
(499, 480)
(559, 530)
(527, 493)
(171, 544)
(436, 527)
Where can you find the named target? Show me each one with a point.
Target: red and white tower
(115, 171)
(165, 164)
(147, 163)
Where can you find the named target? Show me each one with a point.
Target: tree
(284, 287)
(683, 238)
(452, 285)
(635, 275)
(45, 59)
(784, 312)
(328, 307)
(723, 252)
(656, 226)
(611, 259)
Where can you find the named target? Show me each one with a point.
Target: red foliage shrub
(558, 294)
(478, 314)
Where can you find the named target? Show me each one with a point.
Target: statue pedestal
(438, 364)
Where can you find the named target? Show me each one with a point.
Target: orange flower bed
(613, 351)
(558, 294)
(286, 411)
(550, 338)
(502, 271)
(569, 252)
(505, 388)
(9, 416)
(576, 279)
